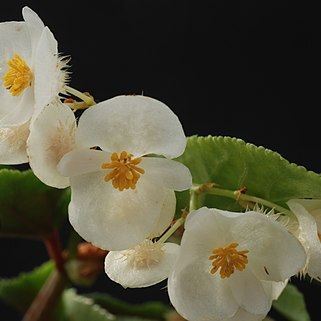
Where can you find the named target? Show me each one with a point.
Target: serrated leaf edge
(71, 294)
(251, 146)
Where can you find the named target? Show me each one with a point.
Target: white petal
(209, 227)
(308, 235)
(274, 253)
(46, 70)
(274, 289)
(313, 206)
(256, 301)
(266, 240)
(52, 135)
(32, 18)
(22, 109)
(13, 144)
(242, 315)
(152, 266)
(168, 173)
(204, 232)
(82, 161)
(14, 39)
(193, 218)
(198, 295)
(166, 215)
(34, 24)
(137, 124)
(111, 219)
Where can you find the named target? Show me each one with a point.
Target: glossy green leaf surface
(233, 164)
(29, 208)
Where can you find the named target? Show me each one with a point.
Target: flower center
(16, 136)
(125, 173)
(62, 141)
(227, 259)
(18, 77)
(144, 255)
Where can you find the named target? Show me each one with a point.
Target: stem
(88, 100)
(44, 303)
(237, 195)
(171, 230)
(54, 249)
(194, 201)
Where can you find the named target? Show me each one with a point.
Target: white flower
(30, 68)
(52, 135)
(118, 186)
(144, 265)
(31, 75)
(232, 265)
(308, 213)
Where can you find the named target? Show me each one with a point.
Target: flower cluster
(118, 158)
(32, 75)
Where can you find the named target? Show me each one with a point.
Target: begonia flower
(144, 265)
(118, 185)
(232, 265)
(32, 74)
(308, 213)
(52, 135)
(148, 262)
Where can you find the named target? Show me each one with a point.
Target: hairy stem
(239, 196)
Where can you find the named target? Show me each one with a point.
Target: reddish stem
(44, 303)
(54, 249)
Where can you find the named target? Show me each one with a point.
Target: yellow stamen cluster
(18, 77)
(227, 259)
(125, 173)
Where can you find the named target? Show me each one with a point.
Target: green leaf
(19, 292)
(291, 304)
(152, 309)
(232, 164)
(29, 208)
(80, 308)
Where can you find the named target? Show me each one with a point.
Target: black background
(247, 69)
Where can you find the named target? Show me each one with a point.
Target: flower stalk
(240, 196)
(89, 100)
(171, 230)
(54, 249)
(43, 305)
